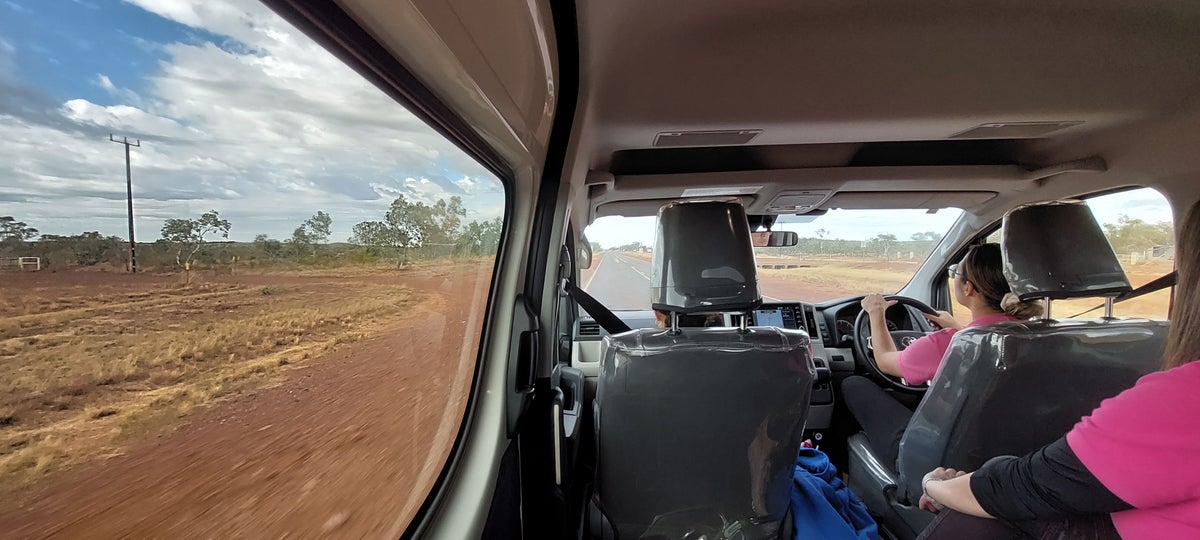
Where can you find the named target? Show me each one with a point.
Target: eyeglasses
(952, 270)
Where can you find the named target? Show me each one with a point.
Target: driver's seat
(698, 429)
(1010, 388)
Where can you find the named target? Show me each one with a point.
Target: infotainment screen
(778, 316)
(768, 317)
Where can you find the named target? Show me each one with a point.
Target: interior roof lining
(794, 156)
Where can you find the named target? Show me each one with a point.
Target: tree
(445, 221)
(596, 248)
(480, 238)
(187, 236)
(87, 249)
(314, 230)
(885, 241)
(11, 229)
(14, 233)
(413, 224)
(926, 236)
(1132, 235)
(317, 227)
(268, 246)
(380, 235)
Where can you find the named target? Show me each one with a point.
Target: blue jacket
(822, 506)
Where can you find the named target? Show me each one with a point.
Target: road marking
(626, 261)
(594, 272)
(640, 273)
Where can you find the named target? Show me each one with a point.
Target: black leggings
(881, 416)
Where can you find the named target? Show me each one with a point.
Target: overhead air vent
(589, 329)
(705, 138)
(1014, 130)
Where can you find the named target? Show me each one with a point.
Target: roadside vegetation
(409, 231)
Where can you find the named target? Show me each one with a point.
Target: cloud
(246, 116)
(123, 94)
(17, 7)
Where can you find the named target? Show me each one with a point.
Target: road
(621, 281)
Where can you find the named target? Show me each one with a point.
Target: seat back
(700, 429)
(1010, 388)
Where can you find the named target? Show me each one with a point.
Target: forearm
(956, 494)
(883, 346)
(1045, 484)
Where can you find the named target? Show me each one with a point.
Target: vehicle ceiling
(867, 104)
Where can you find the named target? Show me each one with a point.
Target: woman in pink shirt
(980, 286)
(1134, 459)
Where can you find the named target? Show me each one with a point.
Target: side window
(1138, 224)
(1140, 227)
(276, 333)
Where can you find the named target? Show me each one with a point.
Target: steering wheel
(902, 338)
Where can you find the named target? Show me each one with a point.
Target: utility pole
(129, 195)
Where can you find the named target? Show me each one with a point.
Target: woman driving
(980, 286)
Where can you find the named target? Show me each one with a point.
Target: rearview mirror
(774, 238)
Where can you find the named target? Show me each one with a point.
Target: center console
(798, 316)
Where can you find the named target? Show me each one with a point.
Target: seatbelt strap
(603, 316)
(1152, 286)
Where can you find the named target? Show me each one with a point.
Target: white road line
(594, 272)
(626, 261)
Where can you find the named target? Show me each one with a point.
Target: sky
(236, 111)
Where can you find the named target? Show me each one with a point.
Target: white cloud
(124, 94)
(265, 127)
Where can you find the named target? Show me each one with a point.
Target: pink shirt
(919, 361)
(1144, 446)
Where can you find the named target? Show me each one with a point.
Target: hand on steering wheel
(903, 338)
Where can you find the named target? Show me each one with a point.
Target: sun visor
(704, 259)
(1057, 250)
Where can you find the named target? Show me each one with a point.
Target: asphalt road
(622, 282)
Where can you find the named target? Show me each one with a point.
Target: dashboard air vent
(589, 329)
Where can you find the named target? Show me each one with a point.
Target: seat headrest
(1057, 250)
(703, 259)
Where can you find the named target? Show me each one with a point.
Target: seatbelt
(1152, 286)
(603, 316)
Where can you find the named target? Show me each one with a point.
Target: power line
(129, 195)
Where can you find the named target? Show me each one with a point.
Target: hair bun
(1014, 307)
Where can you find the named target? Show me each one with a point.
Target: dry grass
(853, 276)
(105, 367)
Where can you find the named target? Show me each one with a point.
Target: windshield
(841, 253)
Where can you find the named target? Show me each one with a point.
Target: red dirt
(346, 447)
